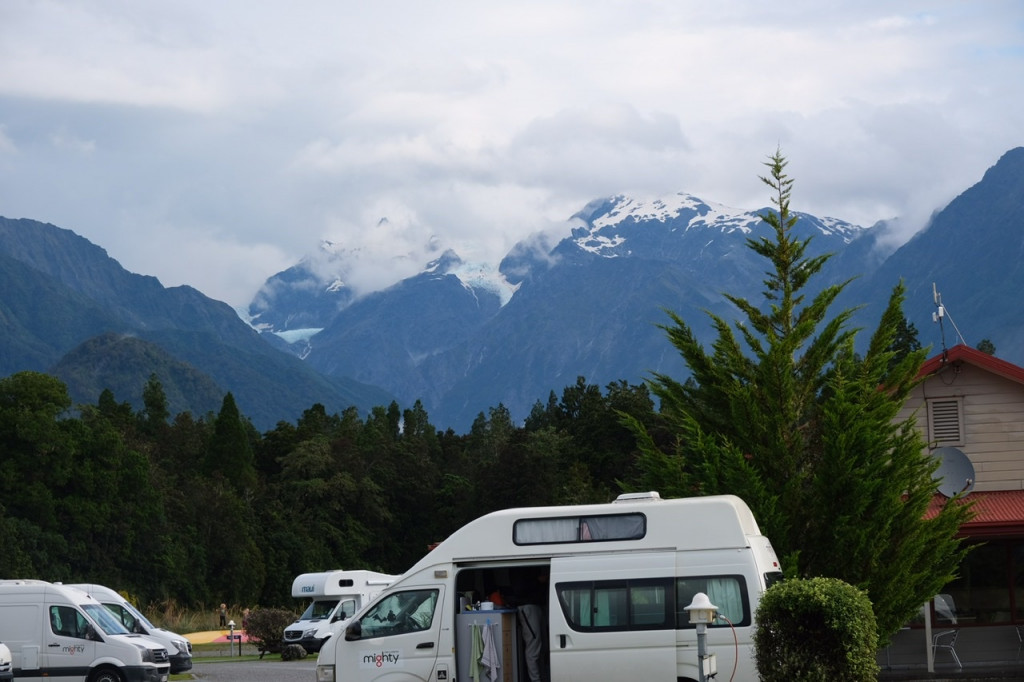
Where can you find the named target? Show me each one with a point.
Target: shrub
(816, 629)
(266, 628)
(293, 652)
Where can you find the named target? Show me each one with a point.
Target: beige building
(970, 411)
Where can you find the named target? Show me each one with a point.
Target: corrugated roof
(995, 511)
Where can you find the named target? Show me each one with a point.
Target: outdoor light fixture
(702, 612)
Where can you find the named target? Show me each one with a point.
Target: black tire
(106, 675)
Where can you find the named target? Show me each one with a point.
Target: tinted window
(643, 604)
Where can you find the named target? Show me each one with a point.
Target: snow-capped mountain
(307, 295)
(465, 337)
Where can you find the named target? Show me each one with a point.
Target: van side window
(400, 613)
(579, 529)
(347, 610)
(641, 604)
(67, 622)
(122, 614)
(727, 592)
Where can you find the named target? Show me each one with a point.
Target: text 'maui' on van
(131, 618)
(589, 592)
(336, 596)
(55, 632)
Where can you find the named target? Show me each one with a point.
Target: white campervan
(336, 596)
(179, 648)
(590, 592)
(55, 632)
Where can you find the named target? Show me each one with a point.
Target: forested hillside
(204, 509)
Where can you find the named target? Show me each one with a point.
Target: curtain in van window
(618, 527)
(725, 594)
(537, 531)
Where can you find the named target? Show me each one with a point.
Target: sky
(215, 144)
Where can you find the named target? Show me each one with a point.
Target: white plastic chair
(946, 639)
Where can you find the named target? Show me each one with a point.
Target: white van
(179, 648)
(336, 596)
(58, 633)
(589, 592)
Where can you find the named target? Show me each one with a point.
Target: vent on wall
(945, 419)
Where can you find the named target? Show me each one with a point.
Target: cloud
(246, 133)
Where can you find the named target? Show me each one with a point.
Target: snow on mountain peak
(473, 275)
(603, 234)
(663, 209)
(642, 210)
(486, 276)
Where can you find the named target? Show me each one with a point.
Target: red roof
(973, 356)
(996, 512)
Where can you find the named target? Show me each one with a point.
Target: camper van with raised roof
(589, 592)
(55, 632)
(336, 596)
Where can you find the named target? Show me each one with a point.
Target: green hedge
(816, 629)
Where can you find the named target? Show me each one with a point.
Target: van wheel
(106, 675)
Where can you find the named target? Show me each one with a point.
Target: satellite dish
(955, 473)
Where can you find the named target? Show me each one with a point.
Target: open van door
(612, 617)
(399, 636)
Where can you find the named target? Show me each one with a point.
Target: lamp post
(702, 612)
(231, 638)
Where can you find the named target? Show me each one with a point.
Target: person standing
(223, 615)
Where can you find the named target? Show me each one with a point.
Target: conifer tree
(230, 452)
(785, 415)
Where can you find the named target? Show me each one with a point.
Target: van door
(400, 634)
(612, 617)
(67, 651)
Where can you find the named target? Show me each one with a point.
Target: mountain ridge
(465, 337)
(88, 294)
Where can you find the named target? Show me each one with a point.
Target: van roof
(684, 524)
(338, 582)
(42, 587)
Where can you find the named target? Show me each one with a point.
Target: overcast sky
(216, 143)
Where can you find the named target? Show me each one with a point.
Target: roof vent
(650, 496)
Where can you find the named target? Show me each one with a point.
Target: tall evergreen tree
(230, 452)
(155, 412)
(787, 417)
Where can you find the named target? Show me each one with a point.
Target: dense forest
(200, 509)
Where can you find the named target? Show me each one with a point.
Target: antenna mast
(940, 313)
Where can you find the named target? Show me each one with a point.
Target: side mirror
(90, 634)
(354, 631)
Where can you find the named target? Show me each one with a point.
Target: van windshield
(106, 621)
(319, 609)
(138, 616)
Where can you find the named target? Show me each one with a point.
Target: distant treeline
(204, 509)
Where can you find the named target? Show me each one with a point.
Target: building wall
(991, 421)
